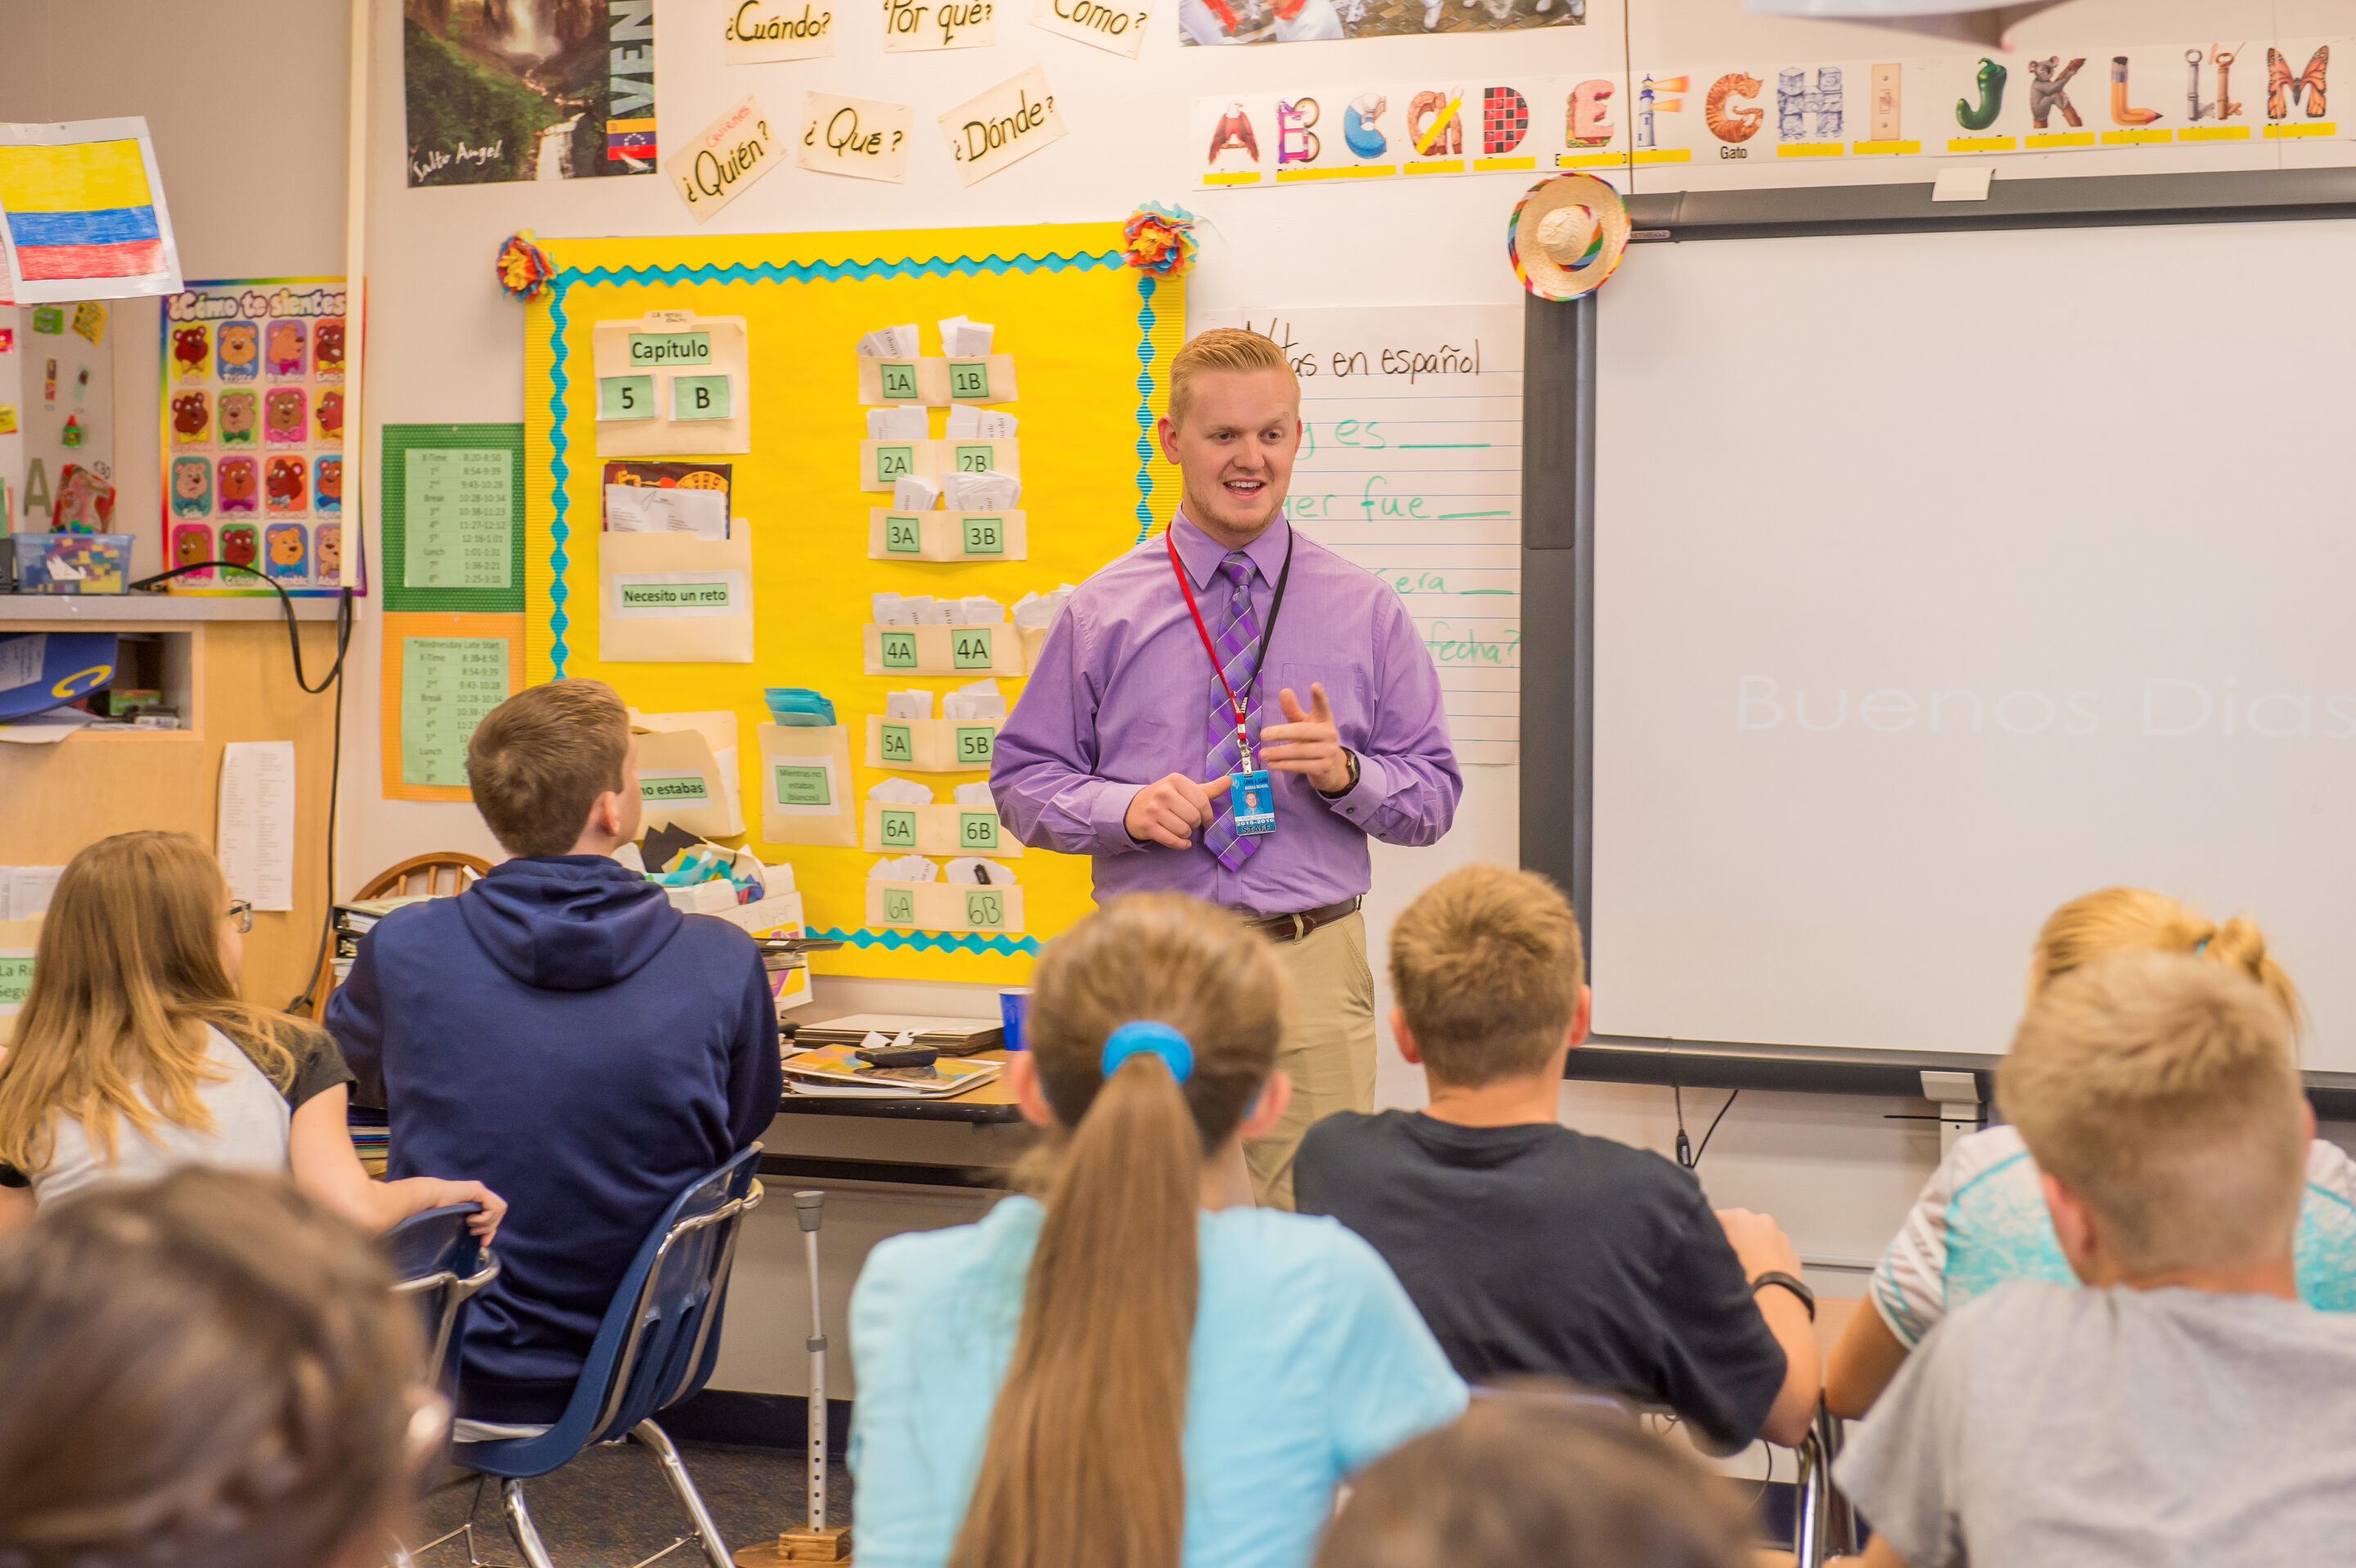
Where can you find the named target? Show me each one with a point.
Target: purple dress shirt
(1122, 697)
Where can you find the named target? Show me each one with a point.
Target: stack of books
(356, 920)
(951, 1037)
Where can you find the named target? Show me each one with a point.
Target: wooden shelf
(109, 611)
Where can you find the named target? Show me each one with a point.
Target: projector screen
(1943, 577)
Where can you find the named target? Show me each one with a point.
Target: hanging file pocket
(674, 597)
(805, 786)
(894, 535)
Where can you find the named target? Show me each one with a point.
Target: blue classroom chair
(437, 1263)
(655, 1346)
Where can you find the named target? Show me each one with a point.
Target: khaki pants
(1328, 1048)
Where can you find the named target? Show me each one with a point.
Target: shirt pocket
(1345, 689)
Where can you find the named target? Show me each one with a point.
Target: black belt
(1293, 927)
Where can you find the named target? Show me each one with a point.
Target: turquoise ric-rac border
(567, 279)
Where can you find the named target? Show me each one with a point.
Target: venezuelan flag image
(83, 212)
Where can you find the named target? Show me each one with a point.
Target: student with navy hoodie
(591, 1049)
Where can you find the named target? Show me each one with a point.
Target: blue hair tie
(1146, 1037)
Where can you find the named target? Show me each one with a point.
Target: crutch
(815, 1541)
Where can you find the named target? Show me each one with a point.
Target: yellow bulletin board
(1089, 340)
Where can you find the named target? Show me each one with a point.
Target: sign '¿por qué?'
(913, 24)
(1002, 126)
(1105, 24)
(724, 158)
(756, 31)
(855, 136)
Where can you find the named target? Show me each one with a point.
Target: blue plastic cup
(1013, 1008)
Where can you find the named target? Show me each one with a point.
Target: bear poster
(255, 372)
(528, 90)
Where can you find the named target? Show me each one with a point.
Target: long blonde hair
(2136, 920)
(126, 976)
(1084, 1463)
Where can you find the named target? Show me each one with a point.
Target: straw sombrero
(1566, 236)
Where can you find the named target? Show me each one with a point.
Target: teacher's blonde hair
(1223, 350)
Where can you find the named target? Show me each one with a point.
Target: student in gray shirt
(2166, 1413)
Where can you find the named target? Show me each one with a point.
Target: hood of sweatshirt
(569, 922)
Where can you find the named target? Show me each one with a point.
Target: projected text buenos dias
(2160, 707)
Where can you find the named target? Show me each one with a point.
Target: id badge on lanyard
(1251, 795)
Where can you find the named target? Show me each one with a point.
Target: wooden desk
(920, 1149)
(1832, 1320)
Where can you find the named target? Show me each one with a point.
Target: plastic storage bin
(73, 563)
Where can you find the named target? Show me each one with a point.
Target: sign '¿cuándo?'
(757, 31)
(1002, 126)
(724, 159)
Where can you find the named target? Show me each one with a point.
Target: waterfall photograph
(528, 90)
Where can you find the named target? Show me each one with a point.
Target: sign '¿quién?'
(1002, 126)
(855, 136)
(724, 159)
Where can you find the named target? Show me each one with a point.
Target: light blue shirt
(1309, 1361)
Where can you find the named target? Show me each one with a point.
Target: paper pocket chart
(882, 464)
(672, 384)
(935, 380)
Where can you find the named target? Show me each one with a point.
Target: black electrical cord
(1731, 1099)
(335, 676)
(286, 605)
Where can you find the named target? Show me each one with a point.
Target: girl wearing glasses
(133, 1053)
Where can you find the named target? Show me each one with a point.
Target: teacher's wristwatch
(1338, 793)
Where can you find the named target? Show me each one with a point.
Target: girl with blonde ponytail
(1138, 1369)
(1981, 1218)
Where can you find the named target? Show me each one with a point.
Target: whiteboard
(1943, 577)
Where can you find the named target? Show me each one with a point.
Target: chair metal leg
(519, 1525)
(1808, 1506)
(682, 1486)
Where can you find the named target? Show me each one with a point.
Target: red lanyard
(1276, 605)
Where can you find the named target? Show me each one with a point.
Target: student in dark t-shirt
(1532, 1248)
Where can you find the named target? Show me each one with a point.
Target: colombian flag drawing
(83, 215)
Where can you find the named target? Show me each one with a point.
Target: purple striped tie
(1235, 635)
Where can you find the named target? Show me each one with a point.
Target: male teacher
(1139, 742)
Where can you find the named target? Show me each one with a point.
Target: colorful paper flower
(523, 267)
(1159, 239)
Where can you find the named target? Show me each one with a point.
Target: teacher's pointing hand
(1168, 812)
(1306, 744)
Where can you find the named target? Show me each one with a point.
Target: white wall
(246, 101)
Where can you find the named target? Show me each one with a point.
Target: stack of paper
(890, 342)
(834, 1072)
(903, 421)
(963, 339)
(974, 703)
(1036, 611)
(913, 493)
(968, 423)
(988, 491)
